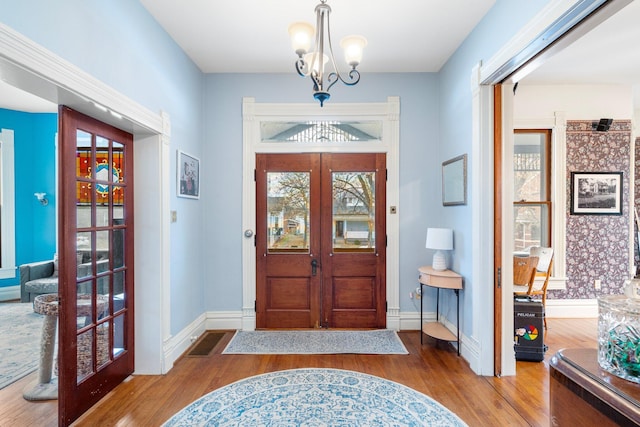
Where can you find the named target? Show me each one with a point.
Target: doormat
(380, 341)
(204, 346)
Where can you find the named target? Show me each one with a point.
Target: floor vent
(205, 344)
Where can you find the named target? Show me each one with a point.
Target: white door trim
(253, 113)
(30, 67)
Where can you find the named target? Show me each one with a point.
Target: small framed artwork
(596, 193)
(454, 181)
(188, 176)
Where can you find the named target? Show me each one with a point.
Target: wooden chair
(543, 270)
(524, 273)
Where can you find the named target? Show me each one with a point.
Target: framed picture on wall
(454, 181)
(596, 193)
(188, 168)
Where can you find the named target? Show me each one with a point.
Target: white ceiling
(608, 54)
(256, 39)
(251, 35)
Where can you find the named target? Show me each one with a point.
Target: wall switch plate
(174, 216)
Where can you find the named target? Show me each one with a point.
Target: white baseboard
(8, 293)
(571, 308)
(222, 320)
(176, 345)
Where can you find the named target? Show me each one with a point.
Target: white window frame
(7, 200)
(558, 197)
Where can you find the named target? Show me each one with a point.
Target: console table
(445, 279)
(581, 393)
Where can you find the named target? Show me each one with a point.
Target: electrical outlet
(598, 284)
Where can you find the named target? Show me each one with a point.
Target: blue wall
(34, 160)
(419, 167)
(121, 44)
(141, 61)
(499, 25)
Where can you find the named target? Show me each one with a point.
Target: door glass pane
(102, 245)
(288, 211)
(118, 335)
(102, 342)
(354, 211)
(84, 156)
(85, 354)
(83, 252)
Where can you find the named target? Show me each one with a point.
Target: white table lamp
(440, 239)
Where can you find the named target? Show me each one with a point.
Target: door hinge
(499, 277)
(386, 306)
(386, 174)
(255, 175)
(255, 240)
(386, 241)
(255, 305)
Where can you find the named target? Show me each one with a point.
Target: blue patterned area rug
(315, 397)
(381, 341)
(20, 332)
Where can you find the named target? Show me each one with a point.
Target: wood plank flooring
(432, 368)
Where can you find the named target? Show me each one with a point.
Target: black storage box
(528, 322)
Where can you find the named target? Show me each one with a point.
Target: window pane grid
(532, 204)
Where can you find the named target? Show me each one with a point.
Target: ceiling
(606, 55)
(255, 38)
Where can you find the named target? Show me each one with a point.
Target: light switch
(174, 216)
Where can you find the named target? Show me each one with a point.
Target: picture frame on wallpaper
(596, 193)
(188, 175)
(454, 181)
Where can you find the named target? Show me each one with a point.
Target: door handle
(314, 267)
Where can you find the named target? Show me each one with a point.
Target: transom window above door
(325, 131)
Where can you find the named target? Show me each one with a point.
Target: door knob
(314, 267)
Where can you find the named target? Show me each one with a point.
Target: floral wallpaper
(636, 248)
(597, 245)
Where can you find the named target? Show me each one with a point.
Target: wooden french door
(96, 261)
(320, 240)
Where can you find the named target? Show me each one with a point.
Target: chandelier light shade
(440, 239)
(324, 73)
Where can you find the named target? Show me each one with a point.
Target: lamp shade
(440, 239)
(353, 47)
(312, 59)
(301, 34)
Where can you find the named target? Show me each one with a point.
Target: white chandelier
(309, 63)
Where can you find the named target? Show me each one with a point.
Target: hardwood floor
(432, 368)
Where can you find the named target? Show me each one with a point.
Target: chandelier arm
(332, 78)
(300, 67)
(317, 81)
(321, 9)
(332, 59)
